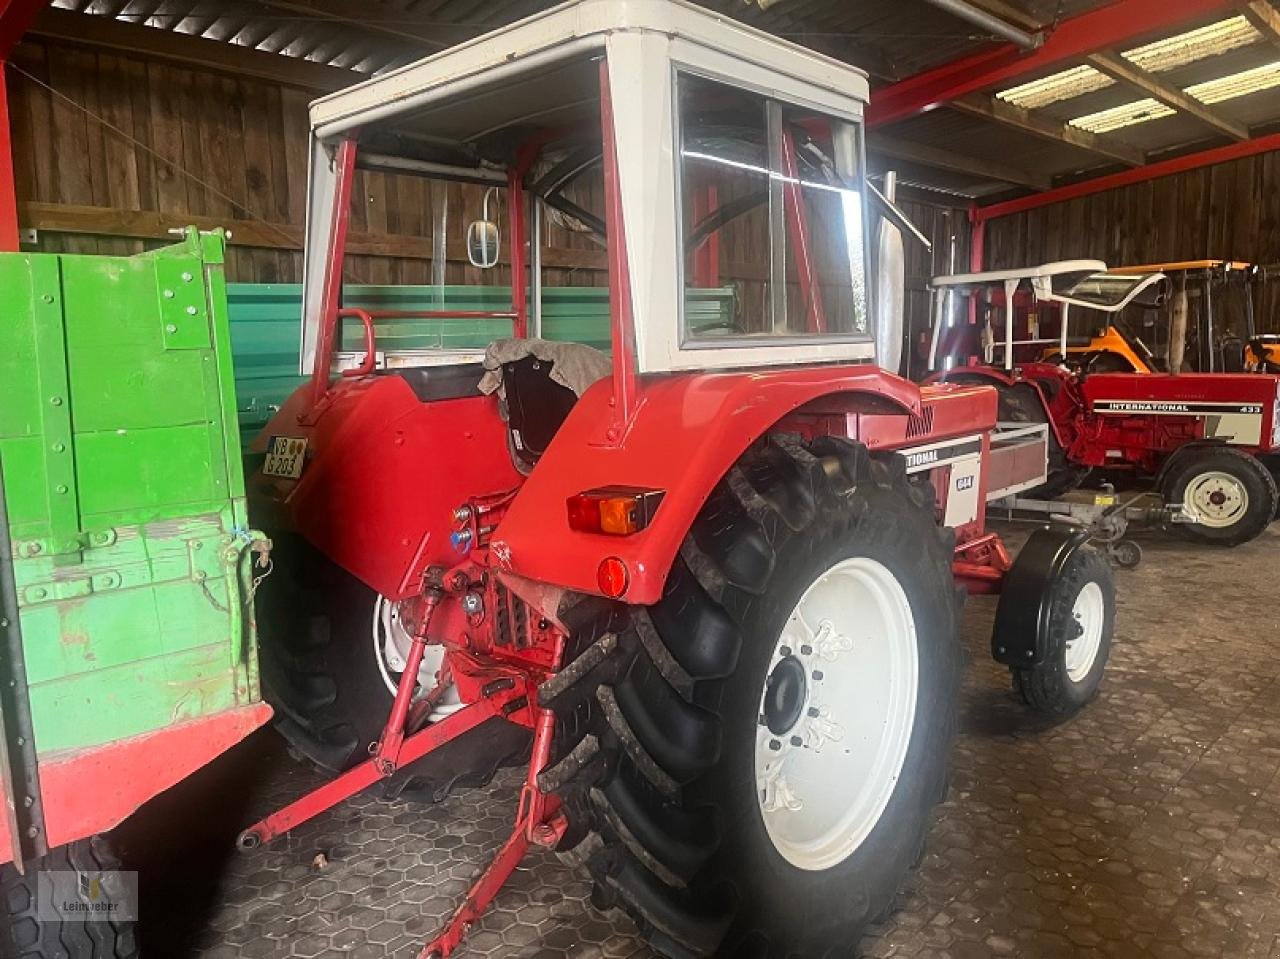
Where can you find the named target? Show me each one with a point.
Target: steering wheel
(728, 326)
(1104, 361)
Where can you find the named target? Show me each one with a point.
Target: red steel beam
(1151, 171)
(15, 17)
(1101, 29)
(8, 190)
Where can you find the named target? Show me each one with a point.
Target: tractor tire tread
(24, 936)
(652, 726)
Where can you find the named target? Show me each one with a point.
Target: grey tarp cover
(573, 364)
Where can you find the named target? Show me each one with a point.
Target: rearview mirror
(483, 238)
(890, 286)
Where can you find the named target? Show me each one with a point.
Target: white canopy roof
(1044, 270)
(577, 27)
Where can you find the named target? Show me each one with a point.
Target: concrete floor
(1147, 825)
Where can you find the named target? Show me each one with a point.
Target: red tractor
(1209, 442)
(706, 587)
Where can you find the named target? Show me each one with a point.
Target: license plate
(285, 455)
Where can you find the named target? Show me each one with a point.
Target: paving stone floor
(1149, 825)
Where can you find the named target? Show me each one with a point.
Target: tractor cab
(1060, 312)
(747, 249)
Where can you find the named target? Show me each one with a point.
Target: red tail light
(615, 510)
(612, 577)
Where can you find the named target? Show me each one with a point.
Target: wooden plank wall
(1227, 211)
(130, 147)
(245, 141)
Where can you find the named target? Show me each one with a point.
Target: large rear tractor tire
(749, 767)
(1233, 493)
(23, 935)
(329, 673)
(318, 670)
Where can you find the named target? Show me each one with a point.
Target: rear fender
(962, 373)
(1184, 453)
(383, 473)
(687, 431)
(1033, 375)
(1022, 634)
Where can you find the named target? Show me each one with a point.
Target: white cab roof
(1055, 268)
(577, 27)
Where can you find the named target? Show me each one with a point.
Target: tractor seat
(538, 382)
(451, 381)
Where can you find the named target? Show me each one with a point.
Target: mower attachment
(1021, 636)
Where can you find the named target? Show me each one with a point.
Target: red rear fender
(384, 471)
(687, 432)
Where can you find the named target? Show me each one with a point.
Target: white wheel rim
(823, 783)
(1219, 499)
(1089, 611)
(391, 642)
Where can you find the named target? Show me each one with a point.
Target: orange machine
(1208, 324)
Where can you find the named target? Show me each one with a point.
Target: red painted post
(977, 255)
(345, 165)
(8, 191)
(798, 236)
(519, 289)
(977, 240)
(706, 258)
(16, 17)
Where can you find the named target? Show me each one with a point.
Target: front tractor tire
(1233, 493)
(1080, 600)
(749, 767)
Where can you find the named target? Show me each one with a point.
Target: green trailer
(127, 567)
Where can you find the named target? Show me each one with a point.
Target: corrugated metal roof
(891, 39)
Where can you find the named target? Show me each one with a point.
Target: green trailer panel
(119, 446)
(266, 328)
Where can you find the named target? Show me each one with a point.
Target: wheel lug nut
(775, 745)
(806, 650)
(785, 651)
(817, 674)
(762, 720)
(797, 741)
(813, 711)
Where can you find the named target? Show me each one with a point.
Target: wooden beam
(1027, 121)
(188, 51)
(1264, 17)
(1127, 72)
(942, 159)
(256, 234)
